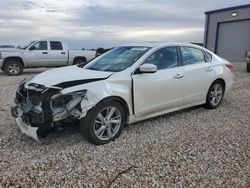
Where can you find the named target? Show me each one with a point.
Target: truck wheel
(80, 60)
(103, 123)
(248, 67)
(13, 67)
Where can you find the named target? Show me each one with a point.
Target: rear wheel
(13, 67)
(80, 60)
(104, 123)
(215, 95)
(248, 67)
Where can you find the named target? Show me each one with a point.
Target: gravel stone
(196, 147)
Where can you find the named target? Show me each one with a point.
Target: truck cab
(47, 53)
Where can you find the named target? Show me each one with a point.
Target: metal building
(227, 32)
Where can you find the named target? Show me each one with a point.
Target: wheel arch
(14, 58)
(220, 80)
(79, 57)
(121, 101)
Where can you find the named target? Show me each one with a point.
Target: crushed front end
(39, 108)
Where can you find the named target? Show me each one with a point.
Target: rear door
(198, 73)
(38, 55)
(58, 55)
(162, 90)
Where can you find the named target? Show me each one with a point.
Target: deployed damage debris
(38, 108)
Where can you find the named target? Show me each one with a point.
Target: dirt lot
(195, 147)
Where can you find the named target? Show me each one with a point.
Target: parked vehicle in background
(125, 85)
(43, 53)
(7, 46)
(248, 60)
(101, 51)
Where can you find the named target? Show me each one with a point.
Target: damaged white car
(127, 84)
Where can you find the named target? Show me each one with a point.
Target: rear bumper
(25, 127)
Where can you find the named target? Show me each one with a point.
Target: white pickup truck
(41, 53)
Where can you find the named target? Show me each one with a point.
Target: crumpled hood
(68, 77)
(10, 50)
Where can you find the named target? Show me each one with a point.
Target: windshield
(118, 59)
(25, 45)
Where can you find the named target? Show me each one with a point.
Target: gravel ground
(191, 148)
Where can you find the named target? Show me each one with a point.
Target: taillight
(230, 66)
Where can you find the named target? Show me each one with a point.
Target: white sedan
(127, 84)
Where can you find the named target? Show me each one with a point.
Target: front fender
(97, 91)
(13, 55)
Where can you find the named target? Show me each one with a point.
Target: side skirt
(133, 119)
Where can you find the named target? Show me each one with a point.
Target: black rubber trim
(132, 95)
(64, 85)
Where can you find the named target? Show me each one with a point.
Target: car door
(162, 90)
(58, 55)
(198, 74)
(37, 55)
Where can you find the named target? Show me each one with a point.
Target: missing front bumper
(24, 126)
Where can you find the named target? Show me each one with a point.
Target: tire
(95, 130)
(215, 95)
(80, 60)
(13, 68)
(248, 67)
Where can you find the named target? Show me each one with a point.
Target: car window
(164, 58)
(42, 45)
(118, 59)
(208, 56)
(191, 56)
(56, 45)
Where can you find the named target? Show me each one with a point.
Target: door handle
(210, 69)
(178, 76)
(45, 52)
(63, 53)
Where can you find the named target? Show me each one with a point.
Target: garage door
(233, 40)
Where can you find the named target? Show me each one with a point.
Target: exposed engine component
(64, 106)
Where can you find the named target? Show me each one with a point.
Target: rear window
(56, 45)
(191, 55)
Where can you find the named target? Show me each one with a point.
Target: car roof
(156, 44)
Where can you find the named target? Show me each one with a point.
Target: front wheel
(13, 68)
(215, 95)
(104, 123)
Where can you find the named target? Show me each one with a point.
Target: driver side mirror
(147, 68)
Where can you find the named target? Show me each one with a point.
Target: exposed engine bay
(39, 108)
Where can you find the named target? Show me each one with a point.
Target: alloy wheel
(216, 94)
(107, 123)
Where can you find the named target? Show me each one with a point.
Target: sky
(106, 23)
